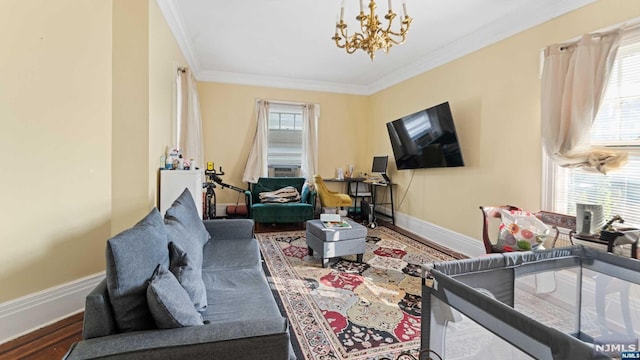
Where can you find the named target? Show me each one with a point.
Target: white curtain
(310, 115)
(574, 80)
(190, 132)
(257, 161)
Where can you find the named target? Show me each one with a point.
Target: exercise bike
(213, 178)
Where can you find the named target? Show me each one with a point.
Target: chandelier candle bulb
(361, 6)
(390, 6)
(342, 11)
(404, 7)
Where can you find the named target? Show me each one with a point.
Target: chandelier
(374, 36)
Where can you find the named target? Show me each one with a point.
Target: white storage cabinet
(173, 183)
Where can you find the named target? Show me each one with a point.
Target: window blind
(616, 125)
(285, 136)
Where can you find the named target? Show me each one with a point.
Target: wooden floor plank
(50, 342)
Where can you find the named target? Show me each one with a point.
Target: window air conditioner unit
(284, 171)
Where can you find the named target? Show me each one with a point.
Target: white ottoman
(329, 243)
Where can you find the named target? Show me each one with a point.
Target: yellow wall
(87, 97)
(55, 116)
(130, 113)
(66, 184)
(164, 58)
(495, 98)
(229, 123)
(146, 56)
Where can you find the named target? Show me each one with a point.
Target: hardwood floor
(50, 342)
(53, 341)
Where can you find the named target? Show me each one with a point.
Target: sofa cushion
(242, 294)
(184, 211)
(231, 255)
(179, 234)
(273, 184)
(294, 211)
(286, 194)
(187, 268)
(169, 303)
(189, 275)
(131, 258)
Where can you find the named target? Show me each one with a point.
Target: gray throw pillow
(169, 303)
(189, 275)
(184, 211)
(131, 258)
(178, 234)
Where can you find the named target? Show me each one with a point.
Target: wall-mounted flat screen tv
(425, 139)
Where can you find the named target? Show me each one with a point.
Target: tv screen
(425, 139)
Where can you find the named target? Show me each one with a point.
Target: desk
(608, 240)
(568, 222)
(375, 186)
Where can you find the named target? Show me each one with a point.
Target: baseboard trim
(455, 241)
(34, 311)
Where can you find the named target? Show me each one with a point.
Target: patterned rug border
(283, 276)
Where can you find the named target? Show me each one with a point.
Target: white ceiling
(287, 43)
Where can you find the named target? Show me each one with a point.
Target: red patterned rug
(351, 310)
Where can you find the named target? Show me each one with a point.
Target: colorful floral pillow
(520, 230)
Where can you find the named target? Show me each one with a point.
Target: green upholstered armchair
(290, 212)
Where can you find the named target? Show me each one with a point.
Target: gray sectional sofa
(183, 288)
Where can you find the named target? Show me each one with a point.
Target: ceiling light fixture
(373, 37)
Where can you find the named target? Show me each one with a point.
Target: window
(284, 155)
(617, 125)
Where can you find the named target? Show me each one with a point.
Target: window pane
(287, 121)
(617, 124)
(618, 192)
(274, 120)
(617, 121)
(285, 138)
(298, 122)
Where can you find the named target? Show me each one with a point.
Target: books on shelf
(333, 221)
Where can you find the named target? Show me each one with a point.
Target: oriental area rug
(350, 310)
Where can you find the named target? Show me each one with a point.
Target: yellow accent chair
(328, 198)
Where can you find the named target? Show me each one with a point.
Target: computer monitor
(380, 164)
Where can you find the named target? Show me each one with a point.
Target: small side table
(329, 243)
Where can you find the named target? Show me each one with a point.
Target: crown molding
(176, 24)
(281, 82)
(493, 33)
(497, 31)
